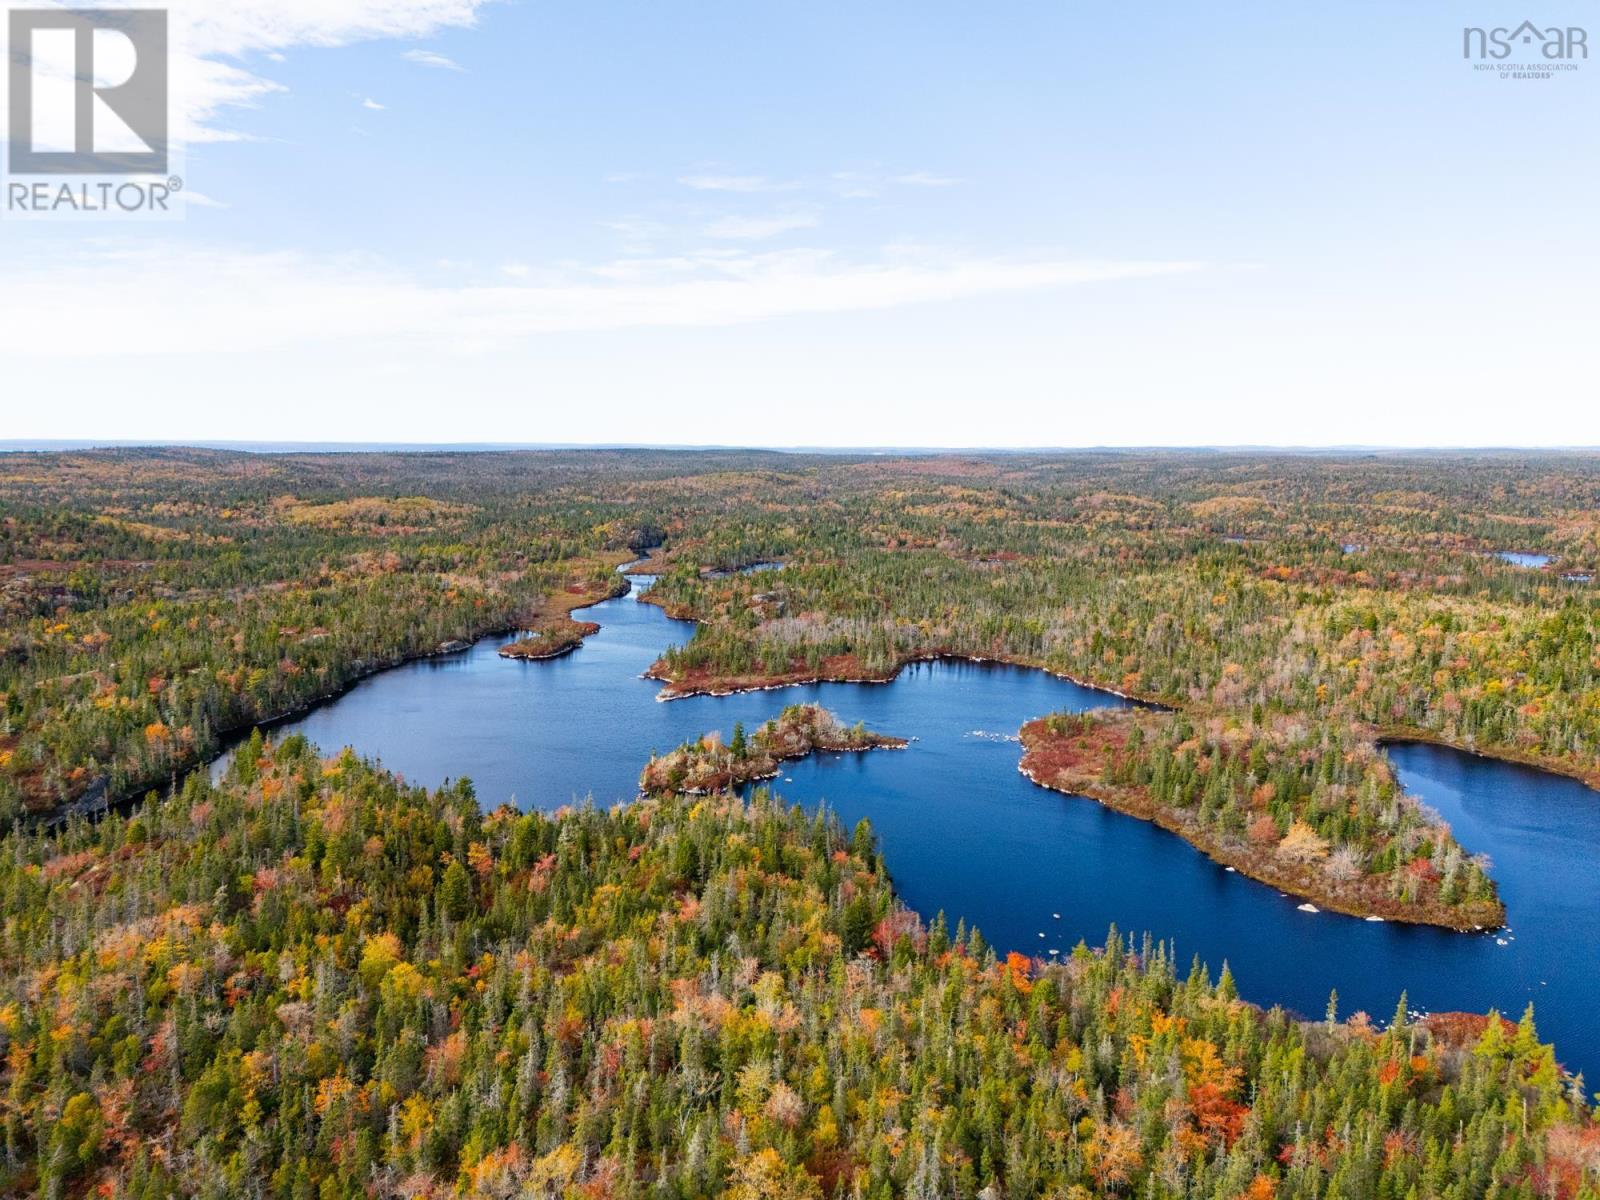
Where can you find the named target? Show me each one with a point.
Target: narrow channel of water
(965, 833)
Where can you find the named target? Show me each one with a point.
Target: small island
(1318, 816)
(553, 638)
(710, 765)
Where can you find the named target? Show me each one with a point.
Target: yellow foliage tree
(1303, 844)
(765, 1176)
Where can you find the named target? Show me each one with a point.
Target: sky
(905, 224)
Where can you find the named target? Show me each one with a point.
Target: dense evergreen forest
(310, 980)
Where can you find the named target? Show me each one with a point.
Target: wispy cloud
(711, 182)
(868, 185)
(758, 228)
(172, 300)
(638, 234)
(373, 105)
(211, 38)
(926, 179)
(427, 58)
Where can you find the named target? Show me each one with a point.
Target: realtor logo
(88, 92)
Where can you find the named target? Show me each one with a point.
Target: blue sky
(931, 224)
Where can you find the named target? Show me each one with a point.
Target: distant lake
(1518, 559)
(753, 569)
(964, 832)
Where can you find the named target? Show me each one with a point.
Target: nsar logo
(1556, 43)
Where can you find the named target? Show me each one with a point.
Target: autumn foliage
(310, 980)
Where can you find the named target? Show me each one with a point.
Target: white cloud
(372, 104)
(209, 38)
(235, 27)
(427, 58)
(853, 184)
(735, 183)
(516, 270)
(757, 228)
(171, 300)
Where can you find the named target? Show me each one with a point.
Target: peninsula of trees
(551, 639)
(1325, 820)
(550, 631)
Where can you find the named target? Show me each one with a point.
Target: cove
(962, 831)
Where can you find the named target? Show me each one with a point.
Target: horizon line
(269, 447)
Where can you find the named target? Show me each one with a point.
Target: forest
(156, 602)
(309, 979)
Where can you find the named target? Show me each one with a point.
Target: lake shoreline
(1175, 890)
(735, 685)
(738, 685)
(98, 799)
(1402, 735)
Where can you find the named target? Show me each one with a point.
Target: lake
(1518, 559)
(964, 832)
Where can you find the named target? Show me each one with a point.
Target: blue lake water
(963, 832)
(1518, 559)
